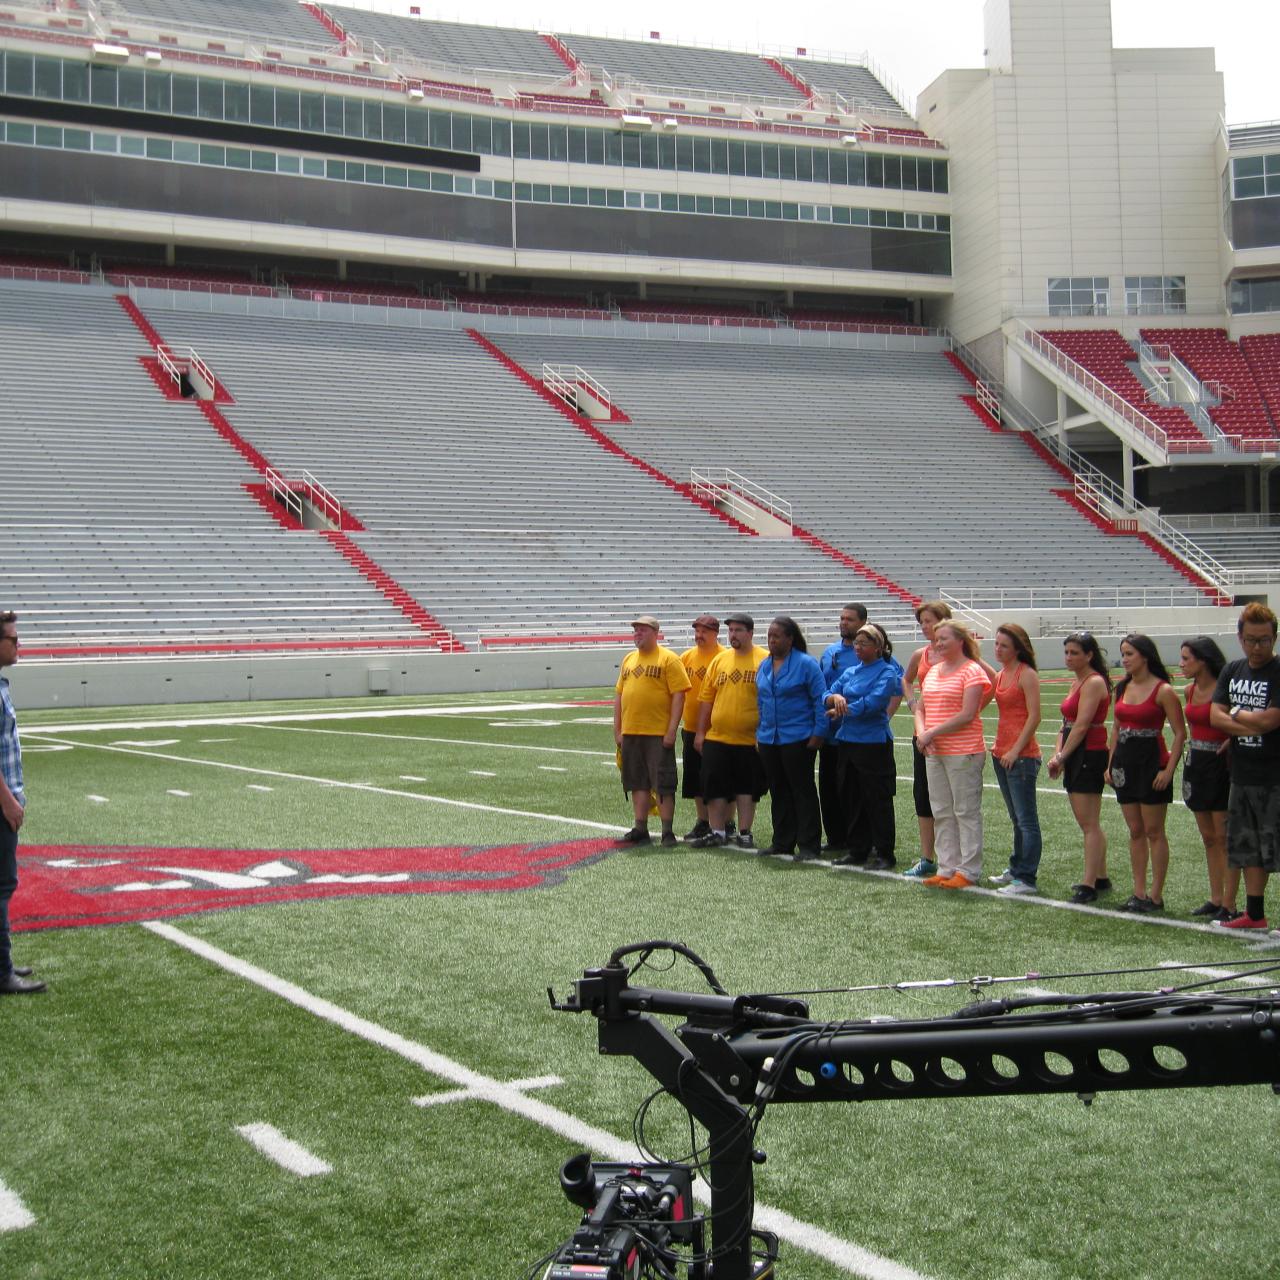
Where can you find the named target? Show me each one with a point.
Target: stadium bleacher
(776, 415)
(854, 83)
(282, 19)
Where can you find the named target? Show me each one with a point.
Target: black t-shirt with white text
(1255, 759)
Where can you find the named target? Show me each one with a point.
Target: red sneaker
(1241, 922)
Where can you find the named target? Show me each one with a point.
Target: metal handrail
(279, 488)
(321, 496)
(565, 379)
(986, 601)
(740, 494)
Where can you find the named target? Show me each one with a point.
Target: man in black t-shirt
(1246, 705)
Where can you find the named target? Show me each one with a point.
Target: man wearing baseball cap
(649, 700)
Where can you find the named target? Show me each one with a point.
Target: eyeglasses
(1257, 642)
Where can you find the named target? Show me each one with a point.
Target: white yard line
(383, 713)
(856, 1260)
(468, 1095)
(289, 1155)
(347, 786)
(14, 1215)
(448, 742)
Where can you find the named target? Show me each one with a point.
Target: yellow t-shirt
(647, 683)
(696, 661)
(730, 687)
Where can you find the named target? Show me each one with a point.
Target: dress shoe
(23, 971)
(880, 864)
(847, 860)
(12, 985)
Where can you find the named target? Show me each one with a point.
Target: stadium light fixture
(850, 140)
(110, 52)
(671, 123)
(637, 122)
(152, 56)
(416, 95)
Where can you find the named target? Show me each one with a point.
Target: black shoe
(710, 841)
(1208, 909)
(1225, 914)
(835, 848)
(772, 851)
(806, 855)
(1083, 893)
(1102, 884)
(881, 864)
(669, 840)
(847, 860)
(1136, 904)
(1148, 905)
(700, 828)
(637, 835)
(744, 841)
(23, 971)
(730, 829)
(12, 985)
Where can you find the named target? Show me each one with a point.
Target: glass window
(1247, 188)
(723, 206)
(578, 195)
(211, 99)
(484, 187)
(442, 182)
(738, 207)
(48, 77)
(908, 178)
(940, 176)
(19, 73)
(648, 151)
(807, 213)
(1079, 296)
(773, 209)
(702, 155)
(596, 196)
(875, 171)
(719, 155)
(373, 120)
(524, 192)
(313, 167)
(684, 154)
(824, 213)
(501, 190)
(539, 143)
(651, 200)
(353, 118)
(857, 170)
(417, 127)
(703, 204)
(520, 140)
(102, 86)
(373, 174)
(787, 162)
(393, 121)
(131, 145)
(72, 139)
(557, 142)
(501, 137)
(841, 215)
(235, 102)
(755, 208)
(687, 204)
(48, 135)
(133, 92)
(333, 114)
(311, 112)
(210, 154)
(238, 158)
(630, 151)
(287, 164)
(75, 84)
(670, 203)
(262, 103)
(159, 149)
(893, 172)
(105, 142)
(1255, 296)
(578, 146)
(839, 165)
(666, 152)
(613, 197)
(790, 212)
(860, 217)
(264, 162)
(804, 164)
(612, 148)
(441, 131)
(634, 200)
(769, 155)
(287, 108)
(184, 95)
(737, 158)
(482, 134)
(1249, 167)
(821, 165)
(1155, 295)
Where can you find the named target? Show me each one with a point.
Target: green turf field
(332, 1019)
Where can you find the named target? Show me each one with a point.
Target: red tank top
(1096, 738)
(1198, 719)
(1147, 715)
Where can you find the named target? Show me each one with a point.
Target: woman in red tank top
(1206, 775)
(1141, 767)
(1081, 756)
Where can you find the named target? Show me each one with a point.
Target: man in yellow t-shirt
(649, 700)
(696, 659)
(728, 714)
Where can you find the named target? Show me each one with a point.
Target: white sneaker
(1015, 887)
(1005, 877)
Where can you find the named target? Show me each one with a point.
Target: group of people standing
(753, 719)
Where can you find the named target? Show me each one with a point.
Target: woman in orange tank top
(928, 615)
(1016, 754)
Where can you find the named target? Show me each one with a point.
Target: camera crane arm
(734, 1053)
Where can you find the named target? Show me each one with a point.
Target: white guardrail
(740, 496)
(565, 379)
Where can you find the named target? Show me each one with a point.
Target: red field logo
(66, 885)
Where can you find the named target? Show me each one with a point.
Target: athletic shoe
(1016, 887)
(830, 849)
(921, 871)
(700, 828)
(957, 881)
(712, 840)
(1135, 903)
(1083, 893)
(1147, 905)
(669, 840)
(1207, 909)
(1242, 921)
(934, 881)
(1102, 884)
(1005, 877)
(730, 829)
(1224, 913)
(744, 841)
(637, 835)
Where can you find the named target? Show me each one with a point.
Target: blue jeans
(8, 883)
(1018, 786)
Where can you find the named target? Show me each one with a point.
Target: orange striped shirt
(944, 698)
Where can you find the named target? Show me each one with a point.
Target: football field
(297, 1022)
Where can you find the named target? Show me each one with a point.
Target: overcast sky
(911, 42)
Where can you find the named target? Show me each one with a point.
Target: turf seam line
(855, 1259)
(347, 786)
(14, 1215)
(291, 1156)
